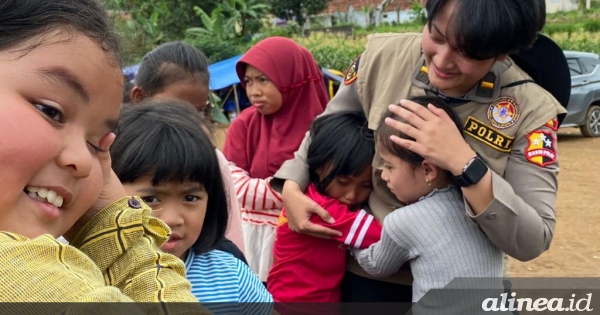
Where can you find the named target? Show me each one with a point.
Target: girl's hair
(342, 143)
(27, 21)
(165, 139)
(170, 63)
(487, 29)
(384, 131)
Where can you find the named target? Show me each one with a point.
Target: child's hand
(112, 189)
(299, 209)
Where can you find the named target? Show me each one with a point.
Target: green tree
(288, 9)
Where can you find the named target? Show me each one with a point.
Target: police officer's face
(451, 72)
(262, 92)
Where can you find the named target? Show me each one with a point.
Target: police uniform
(508, 120)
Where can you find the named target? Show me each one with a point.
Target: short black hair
(170, 63)
(24, 20)
(384, 131)
(483, 29)
(164, 138)
(341, 141)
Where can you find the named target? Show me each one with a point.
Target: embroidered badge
(552, 124)
(352, 72)
(503, 112)
(542, 148)
(488, 135)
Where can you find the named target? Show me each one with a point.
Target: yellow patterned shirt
(114, 258)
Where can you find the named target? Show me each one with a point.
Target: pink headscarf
(260, 144)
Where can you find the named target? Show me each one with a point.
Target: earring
(427, 181)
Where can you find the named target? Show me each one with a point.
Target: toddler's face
(350, 190)
(58, 101)
(406, 183)
(182, 206)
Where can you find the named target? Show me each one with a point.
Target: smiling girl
(61, 85)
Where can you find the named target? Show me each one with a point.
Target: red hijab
(260, 144)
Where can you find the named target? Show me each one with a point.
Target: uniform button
(134, 203)
(491, 216)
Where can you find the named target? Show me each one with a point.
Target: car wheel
(592, 122)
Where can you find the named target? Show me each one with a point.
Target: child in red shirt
(310, 269)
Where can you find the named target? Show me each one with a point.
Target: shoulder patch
(503, 112)
(542, 147)
(352, 72)
(488, 135)
(552, 124)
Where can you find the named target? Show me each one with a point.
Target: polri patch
(542, 148)
(503, 112)
(552, 124)
(352, 72)
(488, 135)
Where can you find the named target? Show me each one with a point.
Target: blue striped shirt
(225, 285)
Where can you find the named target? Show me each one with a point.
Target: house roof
(343, 5)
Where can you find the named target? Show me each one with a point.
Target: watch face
(475, 172)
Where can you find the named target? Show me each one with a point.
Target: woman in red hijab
(286, 89)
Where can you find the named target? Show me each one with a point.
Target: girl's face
(406, 182)
(58, 101)
(193, 91)
(262, 92)
(182, 206)
(350, 190)
(451, 72)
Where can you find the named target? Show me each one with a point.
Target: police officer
(505, 160)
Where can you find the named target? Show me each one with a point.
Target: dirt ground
(575, 250)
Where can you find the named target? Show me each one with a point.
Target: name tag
(488, 135)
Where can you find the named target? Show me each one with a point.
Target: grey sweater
(438, 238)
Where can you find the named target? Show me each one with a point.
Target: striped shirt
(260, 204)
(225, 285)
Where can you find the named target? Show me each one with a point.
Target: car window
(574, 66)
(589, 64)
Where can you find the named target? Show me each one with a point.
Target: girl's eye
(150, 199)
(247, 81)
(342, 182)
(263, 80)
(190, 198)
(96, 148)
(51, 112)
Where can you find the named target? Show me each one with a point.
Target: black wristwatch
(472, 173)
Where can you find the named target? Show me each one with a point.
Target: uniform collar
(485, 91)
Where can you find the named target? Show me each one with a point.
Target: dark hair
(384, 131)
(343, 143)
(23, 20)
(487, 29)
(170, 63)
(165, 139)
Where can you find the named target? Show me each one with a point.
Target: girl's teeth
(58, 201)
(51, 196)
(43, 192)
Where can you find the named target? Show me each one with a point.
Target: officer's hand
(437, 137)
(299, 209)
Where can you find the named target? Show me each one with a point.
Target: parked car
(583, 110)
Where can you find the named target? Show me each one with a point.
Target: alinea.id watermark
(542, 304)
